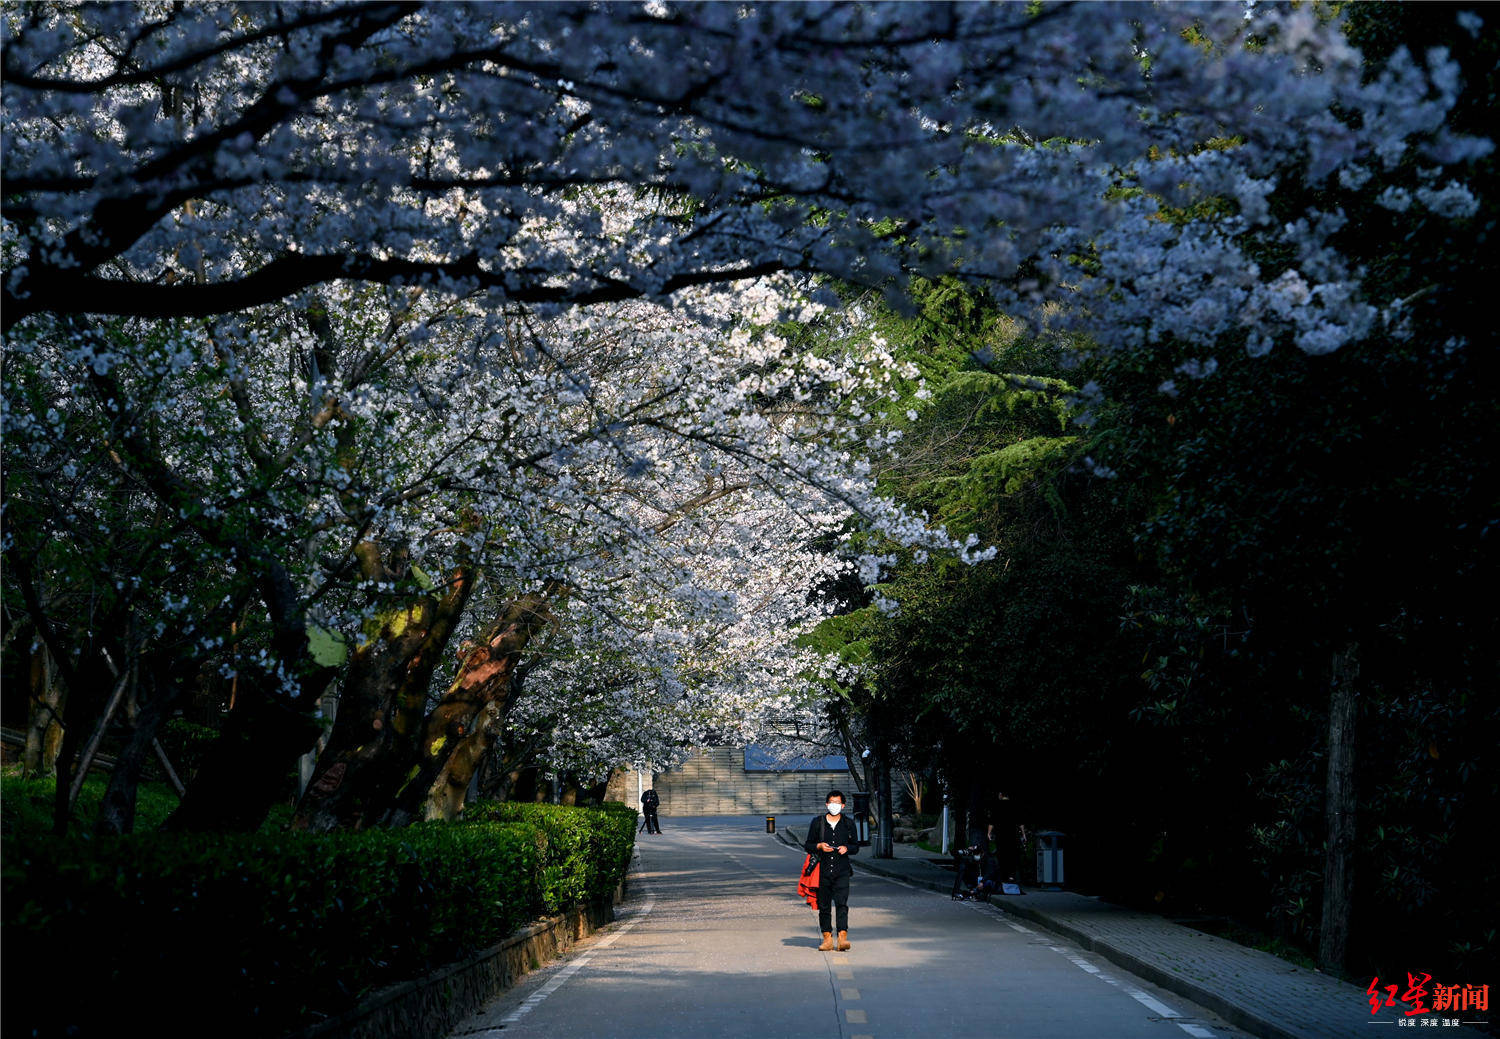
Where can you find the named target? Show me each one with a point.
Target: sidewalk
(1254, 990)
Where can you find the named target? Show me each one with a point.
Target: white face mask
(834, 808)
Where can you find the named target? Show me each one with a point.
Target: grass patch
(26, 806)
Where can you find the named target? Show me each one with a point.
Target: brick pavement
(1263, 994)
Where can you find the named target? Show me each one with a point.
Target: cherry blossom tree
(386, 312)
(726, 673)
(615, 460)
(598, 467)
(168, 161)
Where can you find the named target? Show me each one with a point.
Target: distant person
(1003, 830)
(833, 838)
(649, 803)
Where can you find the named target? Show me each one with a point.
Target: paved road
(716, 945)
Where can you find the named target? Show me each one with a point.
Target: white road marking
(892, 880)
(1153, 1004)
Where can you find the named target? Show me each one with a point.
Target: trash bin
(862, 817)
(770, 824)
(1049, 859)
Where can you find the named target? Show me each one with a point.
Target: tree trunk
(117, 812)
(373, 746)
(857, 764)
(1339, 806)
(523, 784)
(166, 765)
(86, 759)
(466, 723)
(91, 682)
(84, 682)
(884, 837)
(248, 768)
(505, 764)
(44, 731)
(974, 815)
(490, 777)
(446, 793)
(957, 824)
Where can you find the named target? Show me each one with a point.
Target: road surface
(715, 944)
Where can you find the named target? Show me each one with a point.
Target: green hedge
(258, 935)
(584, 852)
(187, 745)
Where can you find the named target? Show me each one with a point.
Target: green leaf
(326, 646)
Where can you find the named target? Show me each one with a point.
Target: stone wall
(431, 1007)
(714, 782)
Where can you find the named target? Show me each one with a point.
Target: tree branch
(56, 292)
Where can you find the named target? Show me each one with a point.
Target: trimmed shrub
(585, 851)
(261, 934)
(187, 744)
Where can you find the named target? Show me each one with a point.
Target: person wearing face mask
(833, 838)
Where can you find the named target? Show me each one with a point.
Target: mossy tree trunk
(374, 745)
(45, 705)
(466, 723)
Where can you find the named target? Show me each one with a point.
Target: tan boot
(844, 941)
(827, 945)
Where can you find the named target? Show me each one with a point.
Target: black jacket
(843, 832)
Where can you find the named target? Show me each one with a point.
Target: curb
(1234, 1013)
(1207, 998)
(1231, 1012)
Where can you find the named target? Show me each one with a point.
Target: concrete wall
(714, 782)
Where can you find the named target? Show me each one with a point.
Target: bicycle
(974, 871)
